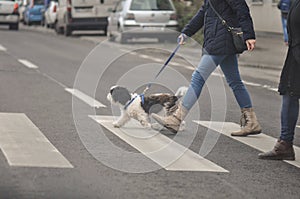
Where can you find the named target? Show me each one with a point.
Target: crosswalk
(260, 142)
(24, 145)
(159, 148)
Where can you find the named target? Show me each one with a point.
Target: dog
(139, 108)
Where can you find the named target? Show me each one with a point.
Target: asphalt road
(40, 93)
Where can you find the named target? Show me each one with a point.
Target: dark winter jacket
(217, 39)
(290, 75)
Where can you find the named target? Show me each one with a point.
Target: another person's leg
(249, 121)
(207, 65)
(283, 149)
(284, 27)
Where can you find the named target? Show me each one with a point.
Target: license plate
(151, 28)
(84, 10)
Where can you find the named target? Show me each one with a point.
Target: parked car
(34, 12)
(9, 14)
(140, 18)
(50, 14)
(81, 15)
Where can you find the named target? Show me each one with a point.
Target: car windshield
(151, 5)
(38, 2)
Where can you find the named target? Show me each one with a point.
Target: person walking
(289, 88)
(284, 7)
(218, 49)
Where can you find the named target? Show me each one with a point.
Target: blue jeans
(285, 33)
(207, 65)
(289, 117)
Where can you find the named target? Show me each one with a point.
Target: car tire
(14, 26)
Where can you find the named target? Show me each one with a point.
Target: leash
(156, 76)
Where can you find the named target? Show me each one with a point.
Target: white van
(81, 15)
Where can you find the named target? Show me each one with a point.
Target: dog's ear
(121, 95)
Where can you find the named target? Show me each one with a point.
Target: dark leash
(156, 76)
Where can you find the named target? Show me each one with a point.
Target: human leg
(207, 65)
(230, 69)
(249, 123)
(289, 117)
(283, 149)
(284, 27)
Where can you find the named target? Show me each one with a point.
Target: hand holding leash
(182, 38)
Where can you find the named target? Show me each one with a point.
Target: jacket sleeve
(241, 8)
(195, 24)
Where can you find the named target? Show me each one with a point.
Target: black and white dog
(133, 106)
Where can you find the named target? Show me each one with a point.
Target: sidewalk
(270, 52)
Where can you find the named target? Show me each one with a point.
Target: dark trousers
(289, 117)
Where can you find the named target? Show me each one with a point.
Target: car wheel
(14, 26)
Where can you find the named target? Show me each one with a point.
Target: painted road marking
(23, 144)
(2, 48)
(298, 126)
(28, 64)
(260, 142)
(171, 156)
(85, 98)
(144, 56)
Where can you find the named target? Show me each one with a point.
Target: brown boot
(172, 122)
(249, 123)
(281, 151)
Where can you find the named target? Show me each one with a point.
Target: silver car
(144, 19)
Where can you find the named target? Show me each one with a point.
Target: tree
(185, 13)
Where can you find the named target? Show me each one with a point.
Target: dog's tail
(181, 91)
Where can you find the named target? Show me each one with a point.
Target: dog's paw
(116, 125)
(182, 126)
(156, 126)
(148, 126)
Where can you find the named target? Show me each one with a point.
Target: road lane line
(27, 63)
(157, 59)
(85, 98)
(23, 144)
(144, 56)
(298, 126)
(159, 148)
(260, 142)
(2, 48)
(175, 64)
